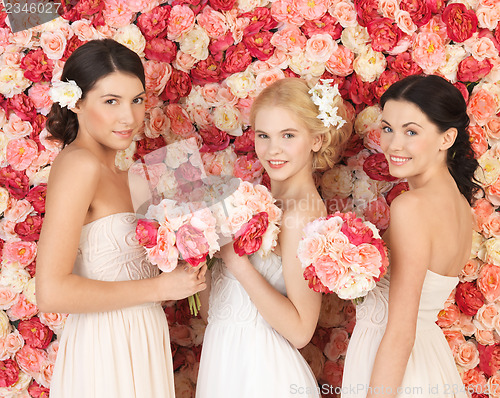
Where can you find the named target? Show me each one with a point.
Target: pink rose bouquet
(342, 254)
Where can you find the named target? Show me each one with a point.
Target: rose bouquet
(249, 217)
(173, 231)
(342, 254)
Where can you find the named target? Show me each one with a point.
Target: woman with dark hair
(396, 348)
(115, 341)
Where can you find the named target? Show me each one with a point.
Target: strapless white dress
(431, 369)
(243, 356)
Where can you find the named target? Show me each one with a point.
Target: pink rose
(284, 11)
(116, 14)
(428, 51)
(469, 298)
(470, 271)
(460, 22)
(192, 244)
(180, 123)
(345, 13)
(54, 321)
(332, 373)
(53, 44)
(367, 10)
(156, 123)
(213, 22)
(482, 106)
(181, 335)
(481, 212)
(484, 336)
(489, 282)
(35, 334)
(489, 359)
(8, 297)
(491, 228)
(467, 355)
(181, 21)
(17, 210)
(419, 11)
(16, 127)
(290, 40)
(320, 47)
(311, 248)
(472, 70)
(13, 343)
(478, 140)
(474, 380)
(311, 10)
(146, 232)
(35, 390)
(39, 95)
(222, 5)
(22, 252)
(377, 212)
(22, 309)
(30, 359)
(337, 346)
(9, 373)
(164, 254)
(493, 192)
(249, 238)
(448, 316)
(237, 58)
(157, 75)
(455, 338)
(492, 127)
(248, 168)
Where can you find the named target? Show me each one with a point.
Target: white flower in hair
(323, 95)
(65, 93)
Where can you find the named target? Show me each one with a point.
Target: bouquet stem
(194, 304)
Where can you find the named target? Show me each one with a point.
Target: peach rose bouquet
(342, 254)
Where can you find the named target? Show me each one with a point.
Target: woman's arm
(410, 256)
(72, 186)
(205, 295)
(293, 316)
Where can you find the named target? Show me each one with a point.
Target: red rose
(377, 168)
(384, 34)
(71, 46)
(367, 10)
(259, 45)
(153, 24)
(146, 232)
(290, 73)
(37, 66)
(249, 237)
(195, 5)
(266, 180)
(147, 145)
(35, 390)
(22, 105)
(29, 229)
(404, 65)
(31, 268)
(497, 33)
(218, 47)
(213, 139)
(245, 142)
(325, 25)
(396, 190)
(35, 333)
(354, 146)
(206, 71)
(9, 373)
(460, 22)
(160, 49)
(237, 59)
(38, 123)
(386, 79)
(260, 20)
(222, 5)
(489, 358)
(463, 89)
(419, 12)
(3, 17)
(435, 6)
(472, 70)
(469, 298)
(178, 86)
(16, 182)
(361, 92)
(91, 10)
(313, 281)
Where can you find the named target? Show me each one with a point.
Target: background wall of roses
(205, 61)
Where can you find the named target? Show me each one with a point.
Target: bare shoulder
(297, 219)
(75, 164)
(409, 204)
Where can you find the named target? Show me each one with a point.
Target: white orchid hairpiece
(65, 93)
(323, 95)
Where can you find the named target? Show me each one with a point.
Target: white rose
(337, 182)
(241, 84)
(228, 119)
(40, 177)
(12, 81)
(369, 65)
(454, 55)
(269, 239)
(131, 37)
(124, 159)
(364, 191)
(368, 119)
(65, 93)
(355, 38)
(489, 169)
(29, 291)
(491, 251)
(15, 276)
(176, 155)
(250, 5)
(306, 68)
(3, 118)
(195, 43)
(4, 325)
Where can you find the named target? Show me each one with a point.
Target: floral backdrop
(205, 61)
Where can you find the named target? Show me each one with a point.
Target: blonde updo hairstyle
(292, 93)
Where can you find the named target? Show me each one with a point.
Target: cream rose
(367, 119)
(15, 276)
(356, 38)
(131, 37)
(369, 65)
(195, 43)
(337, 182)
(227, 118)
(241, 84)
(454, 55)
